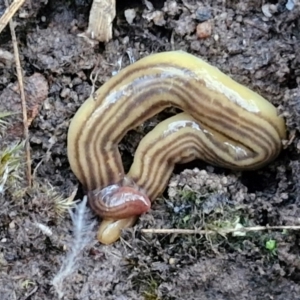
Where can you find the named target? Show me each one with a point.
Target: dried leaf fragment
(102, 15)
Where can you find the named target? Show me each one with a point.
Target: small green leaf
(271, 245)
(186, 218)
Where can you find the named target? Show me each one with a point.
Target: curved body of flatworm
(224, 123)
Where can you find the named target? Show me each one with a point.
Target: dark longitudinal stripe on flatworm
(166, 66)
(160, 161)
(154, 186)
(229, 118)
(255, 130)
(130, 108)
(163, 155)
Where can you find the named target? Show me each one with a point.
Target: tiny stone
(52, 140)
(195, 45)
(252, 196)
(273, 8)
(12, 214)
(76, 81)
(189, 171)
(203, 173)
(290, 4)
(81, 75)
(210, 169)
(130, 15)
(172, 192)
(173, 183)
(266, 10)
(204, 30)
(239, 18)
(23, 15)
(65, 92)
(203, 14)
(172, 261)
(47, 104)
(171, 8)
(209, 182)
(35, 140)
(158, 18)
(74, 96)
(125, 40)
(12, 225)
(224, 180)
(149, 4)
(223, 16)
(66, 80)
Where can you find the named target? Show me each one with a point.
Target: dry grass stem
(22, 93)
(219, 231)
(9, 13)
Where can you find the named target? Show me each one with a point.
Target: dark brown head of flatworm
(117, 201)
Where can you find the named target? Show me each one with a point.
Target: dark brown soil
(258, 48)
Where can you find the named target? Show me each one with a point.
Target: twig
(219, 231)
(9, 12)
(22, 93)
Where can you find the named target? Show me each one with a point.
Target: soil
(255, 42)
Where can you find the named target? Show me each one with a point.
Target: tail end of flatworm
(118, 201)
(110, 230)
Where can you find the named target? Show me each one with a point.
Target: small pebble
(148, 4)
(172, 261)
(52, 140)
(171, 7)
(268, 10)
(156, 16)
(290, 4)
(125, 41)
(35, 140)
(76, 81)
(130, 15)
(12, 225)
(159, 18)
(203, 14)
(204, 30)
(239, 18)
(65, 92)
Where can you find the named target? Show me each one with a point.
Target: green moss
(150, 292)
(11, 163)
(3, 115)
(187, 195)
